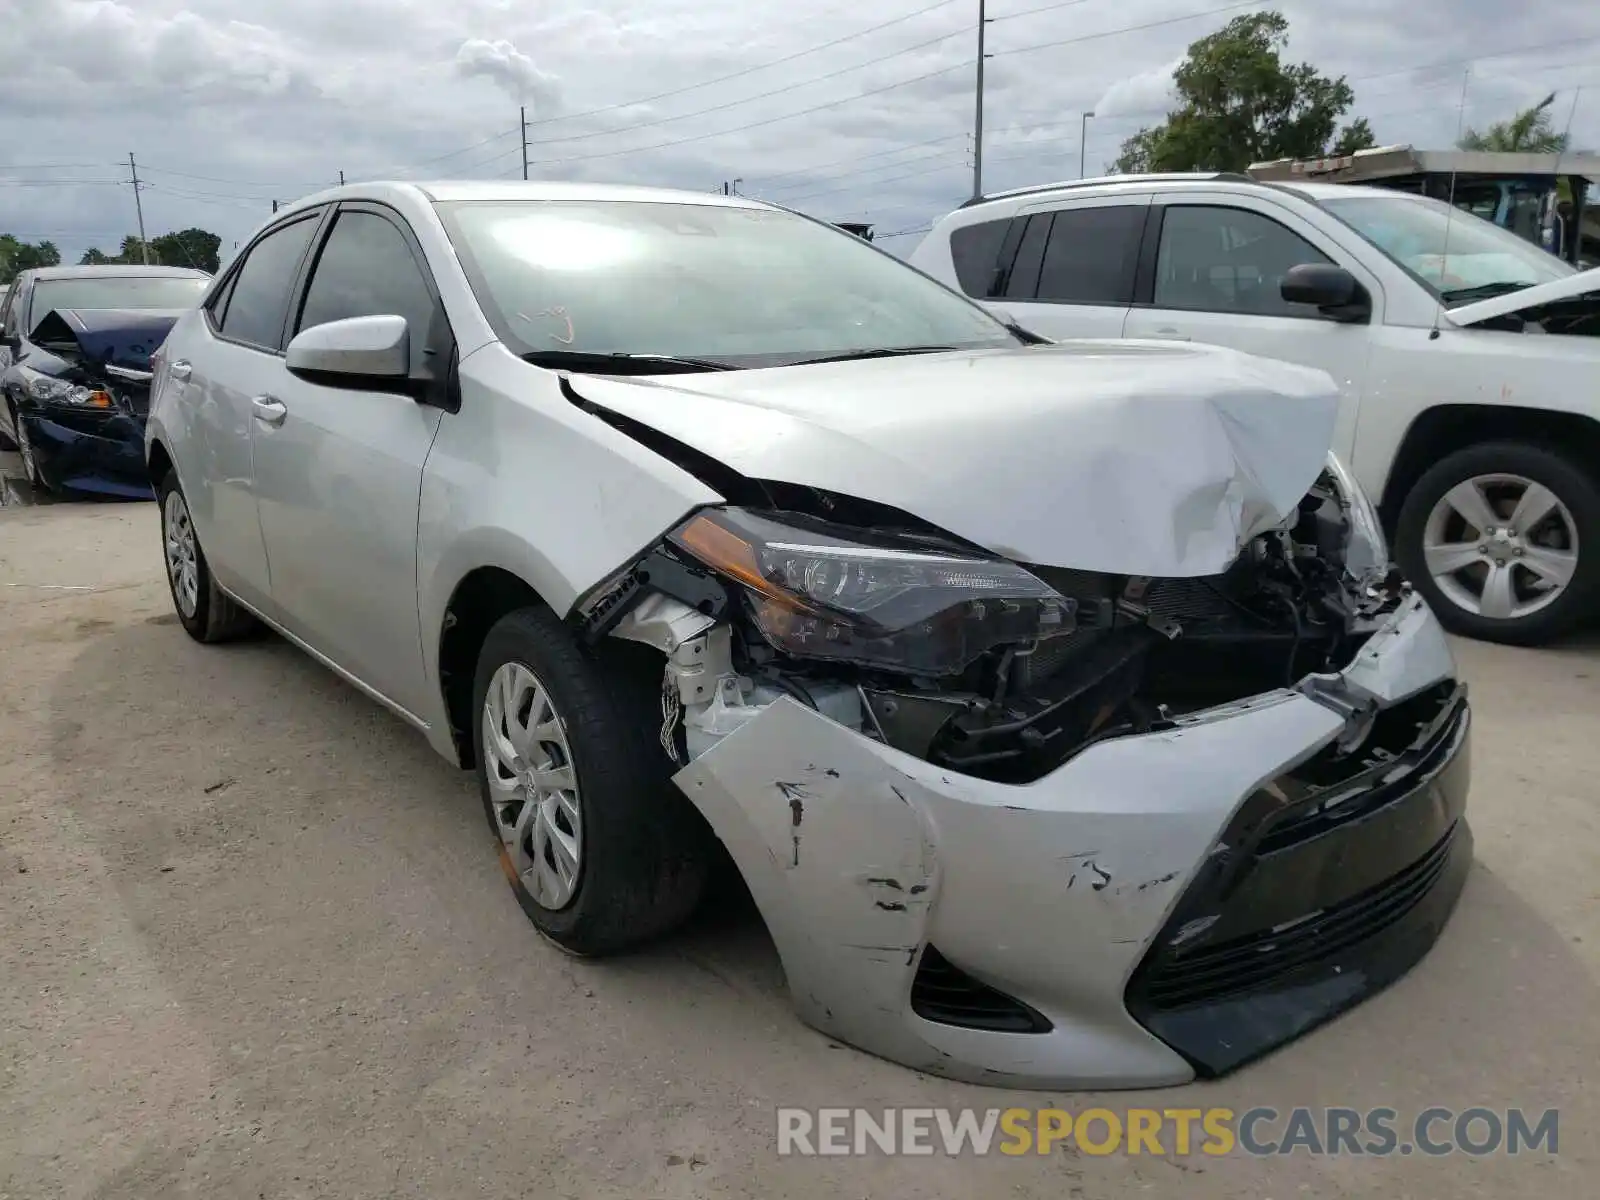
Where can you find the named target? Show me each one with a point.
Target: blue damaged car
(75, 346)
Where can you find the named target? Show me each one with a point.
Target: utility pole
(1083, 134)
(138, 208)
(524, 141)
(977, 116)
(274, 206)
(341, 178)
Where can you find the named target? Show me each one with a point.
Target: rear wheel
(204, 609)
(601, 849)
(1504, 541)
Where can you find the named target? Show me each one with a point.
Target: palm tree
(1528, 132)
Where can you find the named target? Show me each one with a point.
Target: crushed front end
(1049, 827)
(87, 397)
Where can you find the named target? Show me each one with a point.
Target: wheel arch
(158, 461)
(1447, 428)
(480, 598)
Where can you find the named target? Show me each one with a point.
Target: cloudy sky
(860, 110)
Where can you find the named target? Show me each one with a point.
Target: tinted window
(1228, 260)
(1024, 278)
(1091, 255)
(260, 295)
(975, 251)
(5, 309)
(366, 269)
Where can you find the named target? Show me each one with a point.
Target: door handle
(269, 410)
(180, 369)
(1172, 335)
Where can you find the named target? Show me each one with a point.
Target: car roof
(122, 270)
(1335, 191)
(973, 210)
(448, 190)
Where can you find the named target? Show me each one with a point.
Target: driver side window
(1228, 260)
(366, 269)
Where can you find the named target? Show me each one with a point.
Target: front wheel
(1503, 539)
(30, 457)
(601, 849)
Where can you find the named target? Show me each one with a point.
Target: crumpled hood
(115, 337)
(1127, 457)
(1577, 284)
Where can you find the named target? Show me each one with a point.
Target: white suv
(1478, 432)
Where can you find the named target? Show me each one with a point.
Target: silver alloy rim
(1501, 546)
(533, 785)
(30, 467)
(182, 565)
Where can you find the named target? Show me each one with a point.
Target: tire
(204, 610)
(1532, 610)
(642, 851)
(30, 464)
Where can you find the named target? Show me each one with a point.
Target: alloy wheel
(1500, 546)
(30, 464)
(183, 567)
(533, 785)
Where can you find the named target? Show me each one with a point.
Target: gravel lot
(254, 943)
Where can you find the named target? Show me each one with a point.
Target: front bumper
(1043, 935)
(89, 450)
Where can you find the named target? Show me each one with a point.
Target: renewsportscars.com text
(1258, 1132)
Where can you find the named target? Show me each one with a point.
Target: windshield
(1473, 257)
(116, 291)
(729, 286)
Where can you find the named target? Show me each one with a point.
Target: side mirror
(357, 351)
(1332, 290)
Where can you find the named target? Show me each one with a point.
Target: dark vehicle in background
(75, 347)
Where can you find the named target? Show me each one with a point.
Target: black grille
(1407, 742)
(942, 992)
(1257, 960)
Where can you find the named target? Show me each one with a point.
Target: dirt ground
(254, 943)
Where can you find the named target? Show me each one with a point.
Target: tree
(1527, 132)
(1239, 103)
(187, 248)
(95, 257)
(16, 255)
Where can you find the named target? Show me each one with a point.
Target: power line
(572, 137)
(1033, 12)
(700, 137)
(1105, 33)
(740, 74)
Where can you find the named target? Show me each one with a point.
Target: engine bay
(1059, 662)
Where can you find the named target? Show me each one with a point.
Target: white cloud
(503, 64)
(230, 104)
(1148, 92)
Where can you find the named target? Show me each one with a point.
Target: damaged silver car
(1057, 703)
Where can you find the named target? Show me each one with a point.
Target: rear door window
(258, 303)
(1023, 281)
(1091, 255)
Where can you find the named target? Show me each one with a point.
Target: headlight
(1367, 556)
(47, 389)
(823, 591)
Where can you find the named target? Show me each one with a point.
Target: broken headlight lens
(823, 591)
(47, 389)
(1367, 556)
